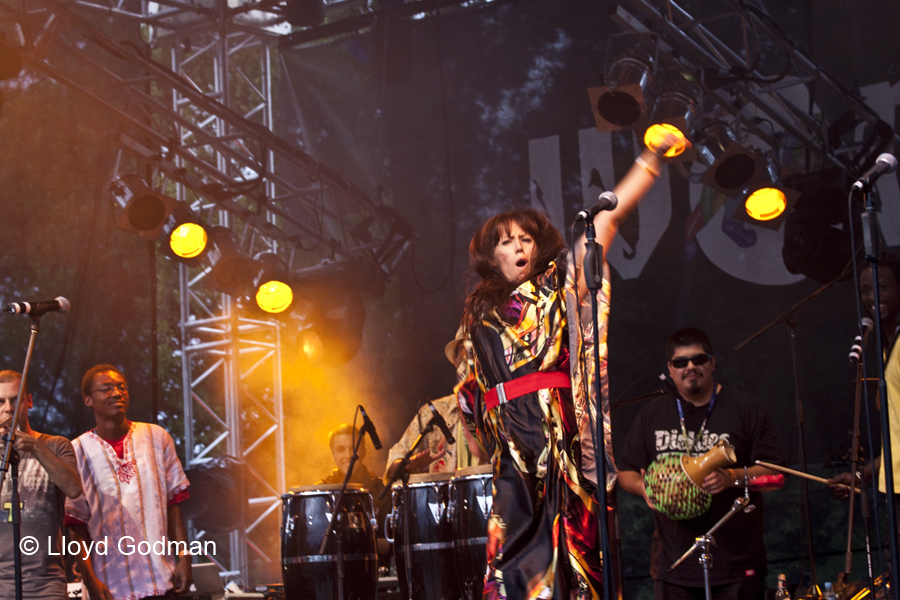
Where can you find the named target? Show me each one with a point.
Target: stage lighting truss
(759, 88)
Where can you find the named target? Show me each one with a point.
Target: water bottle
(829, 592)
(782, 593)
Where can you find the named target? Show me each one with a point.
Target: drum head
(324, 487)
(476, 470)
(429, 477)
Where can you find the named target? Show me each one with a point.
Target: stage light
(676, 112)
(620, 104)
(817, 226)
(766, 203)
(142, 210)
(334, 332)
(765, 200)
(186, 237)
(732, 167)
(188, 240)
(231, 272)
(273, 293)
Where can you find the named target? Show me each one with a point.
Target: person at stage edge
(133, 484)
(340, 440)
(702, 414)
(46, 477)
(889, 297)
(528, 324)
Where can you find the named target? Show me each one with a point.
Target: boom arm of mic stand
(789, 315)
(739, 504)
(402, 473)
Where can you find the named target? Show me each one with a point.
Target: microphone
(438, 420)
(369, 427)
(860, 341)
(606, 201)
(36, 309)
(885, 163)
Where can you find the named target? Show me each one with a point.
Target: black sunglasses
(698, 359)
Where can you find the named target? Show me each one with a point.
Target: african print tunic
(542, 535)
(124, 504)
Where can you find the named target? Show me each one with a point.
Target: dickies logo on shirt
(672, 440)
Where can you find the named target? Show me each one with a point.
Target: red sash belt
(526, 384)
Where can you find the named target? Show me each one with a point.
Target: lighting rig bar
(220, 154)
(731, 79)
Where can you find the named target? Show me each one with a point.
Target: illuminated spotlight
(141, 210)
(817, 226)
(765, 203)
(732, 167)
(621, 103)
(231, 272)
(676, 112)
(334, 335)
(186, 238)
(273, 293)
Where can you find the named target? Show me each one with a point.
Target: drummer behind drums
(703, 414)
(340, 440)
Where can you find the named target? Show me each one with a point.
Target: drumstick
(797, 473)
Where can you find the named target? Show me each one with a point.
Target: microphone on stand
(606, 201)
(36, 309)
(860, 341)
(369, 427)
(885, 163)
(441, 423)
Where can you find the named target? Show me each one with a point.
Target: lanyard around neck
(689, 445)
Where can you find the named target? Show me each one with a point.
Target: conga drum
(422, 535)
(673, 481)
(308, 575)
(471, 499)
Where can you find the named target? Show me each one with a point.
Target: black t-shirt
(739, 419)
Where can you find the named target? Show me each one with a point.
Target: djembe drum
(674, 481)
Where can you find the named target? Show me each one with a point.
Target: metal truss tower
(192, 86)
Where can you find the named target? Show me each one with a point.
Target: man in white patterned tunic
(133, 482)
(46, 476)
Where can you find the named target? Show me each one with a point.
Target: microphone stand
(706, 540)
(789, 318)
(593, 275)
(873, 252)
(402, 474)
(336, 517)
(855, 469)
(11, 459)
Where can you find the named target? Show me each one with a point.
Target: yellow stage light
(188, 240)
(274, 296)
(766, 203)
(657, 134)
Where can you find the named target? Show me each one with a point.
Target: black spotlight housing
(141, 210)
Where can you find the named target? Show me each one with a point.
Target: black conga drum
(420, 512)
(308, 575)
(471, 498)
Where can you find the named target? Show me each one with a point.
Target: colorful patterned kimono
(125, 503)
(543, 534)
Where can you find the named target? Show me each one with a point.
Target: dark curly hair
(492, 290)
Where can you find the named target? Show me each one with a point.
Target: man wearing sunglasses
(702, 414)
(133, 482)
